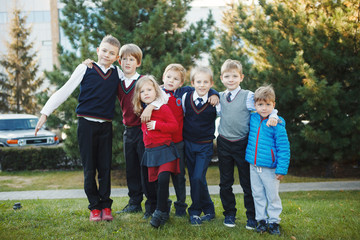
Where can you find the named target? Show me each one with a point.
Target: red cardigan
(165, 126)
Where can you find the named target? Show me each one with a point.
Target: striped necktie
(228, 97)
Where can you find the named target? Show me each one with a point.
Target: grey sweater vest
(235, 117)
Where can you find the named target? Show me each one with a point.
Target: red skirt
(172, 167)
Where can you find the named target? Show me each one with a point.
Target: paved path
(213, 189)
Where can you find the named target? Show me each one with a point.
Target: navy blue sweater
(98, 93)
(199, 123)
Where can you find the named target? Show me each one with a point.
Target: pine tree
(21, 67)
(309, 51)
(157, 27)
(4, 93)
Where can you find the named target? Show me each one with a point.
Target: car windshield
(18, 124)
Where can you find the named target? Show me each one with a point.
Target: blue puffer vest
(268, 146)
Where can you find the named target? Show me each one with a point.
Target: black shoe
(262, 226)
(274, 229)
(159, 218)
(147, 215)
(180, 212)
(251, 224)
(131, 209)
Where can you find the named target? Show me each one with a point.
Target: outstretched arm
(61, 95)
(40, 123)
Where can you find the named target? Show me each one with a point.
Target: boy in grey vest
(234, 111)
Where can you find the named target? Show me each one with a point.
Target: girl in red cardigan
(160, 157)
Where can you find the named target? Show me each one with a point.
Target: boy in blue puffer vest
(268, 152)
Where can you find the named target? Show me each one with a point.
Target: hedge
(36, 158)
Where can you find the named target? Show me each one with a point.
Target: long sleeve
(65, 91)
(168, 123)
(282, 149)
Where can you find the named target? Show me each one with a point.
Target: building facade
(43, 17)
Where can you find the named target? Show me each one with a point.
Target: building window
(3, 17)
(38, 16)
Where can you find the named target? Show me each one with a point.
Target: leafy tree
(158, 27)
(309, 51)
(21, 67)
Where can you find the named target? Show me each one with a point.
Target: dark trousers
(198, 157)
(157, 193)
(95, 144)
(231, 153)
(179, 180)
(163, 191)
(150, 190)
(133, 151)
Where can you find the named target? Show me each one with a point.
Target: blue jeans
(198, 157)
(265, 191)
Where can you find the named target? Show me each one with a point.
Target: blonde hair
(200, 69)
(131, 50)
(231, 64)
(178, 68)
(136, 100)
(264, 93)
(111, 40)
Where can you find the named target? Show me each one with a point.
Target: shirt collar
(233, 92)
(102, 67)
(196, 95)
(133, 77)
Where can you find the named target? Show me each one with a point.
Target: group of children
(164, 125)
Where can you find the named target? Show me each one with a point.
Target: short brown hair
(111, 40)
(199, 69)
(264, 93)
(132, 50)
(176, 67)
(231, 64)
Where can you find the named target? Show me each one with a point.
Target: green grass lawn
(49, 180)
(306, 215)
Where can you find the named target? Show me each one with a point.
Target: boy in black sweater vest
(95, 111)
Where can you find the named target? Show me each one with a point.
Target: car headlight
(50, 140)
(21, 142)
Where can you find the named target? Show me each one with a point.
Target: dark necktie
(200, 102)
(228, 97)
(169, 91)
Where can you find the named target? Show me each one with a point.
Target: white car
(18, 130)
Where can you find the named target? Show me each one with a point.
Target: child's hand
(146, 114)
(213, 100)
(272, 122)
(279, 177)
(150, 125)
(40, 123)
(88, 62)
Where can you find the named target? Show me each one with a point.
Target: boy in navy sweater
(98, 89)
(198, 132)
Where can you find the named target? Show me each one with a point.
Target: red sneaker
(106, 214)
(95, 215)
